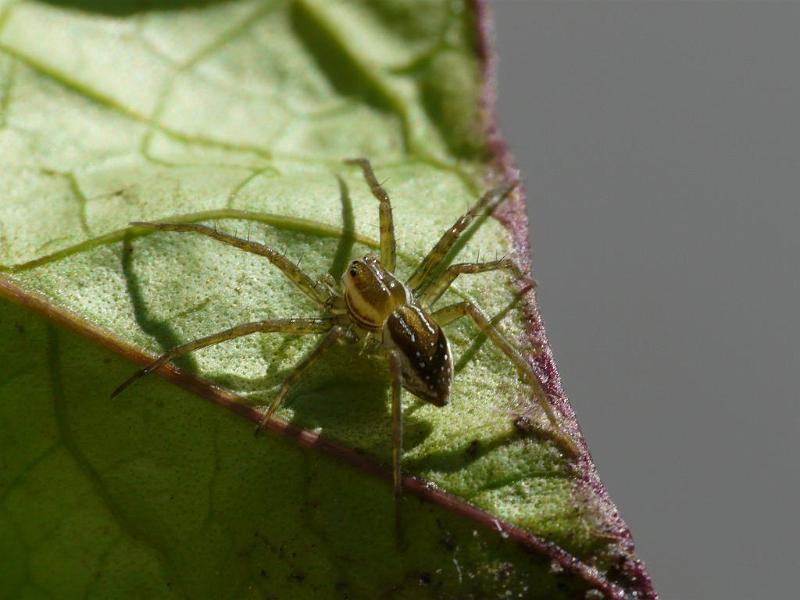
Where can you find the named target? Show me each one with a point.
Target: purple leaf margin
(628, 577)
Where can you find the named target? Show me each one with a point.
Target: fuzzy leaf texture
(112, 112)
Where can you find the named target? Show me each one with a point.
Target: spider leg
(487, 202)
(448, 314)
(396, 370)
(291, 326)
(334, 334)
(438, 285)
(304, 283)
(388, 251)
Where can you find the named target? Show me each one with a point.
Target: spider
(372, 307)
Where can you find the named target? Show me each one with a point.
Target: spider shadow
(123, 8)
(344, 249)
(166, 337)
(339, 68)
(461, 456)
(344, 395)
(256, 390)
(157, 328)
(347, 397)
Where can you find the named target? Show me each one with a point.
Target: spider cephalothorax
(371, 306)
(372, 293)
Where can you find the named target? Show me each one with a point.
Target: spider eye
(353, 271)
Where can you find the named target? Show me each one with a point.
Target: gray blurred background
(660, 146)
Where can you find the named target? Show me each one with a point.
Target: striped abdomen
(425, 351)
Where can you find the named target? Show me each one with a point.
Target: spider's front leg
(290, 326)
(304, 283)
(438, 253)
(448, 314)
(388, 250)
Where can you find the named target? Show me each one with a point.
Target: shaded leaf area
(237, 114)
(165, 495)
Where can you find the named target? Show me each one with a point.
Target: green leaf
(238, 114)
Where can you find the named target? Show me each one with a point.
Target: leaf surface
(238, 114)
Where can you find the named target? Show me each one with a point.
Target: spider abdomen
(424, 350)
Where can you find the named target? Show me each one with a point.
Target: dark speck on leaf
(473, 448)
(424, 578)
(449, 541)
(523, 425)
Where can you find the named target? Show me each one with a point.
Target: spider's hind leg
(448, 314)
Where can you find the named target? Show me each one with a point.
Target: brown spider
(374, 308)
